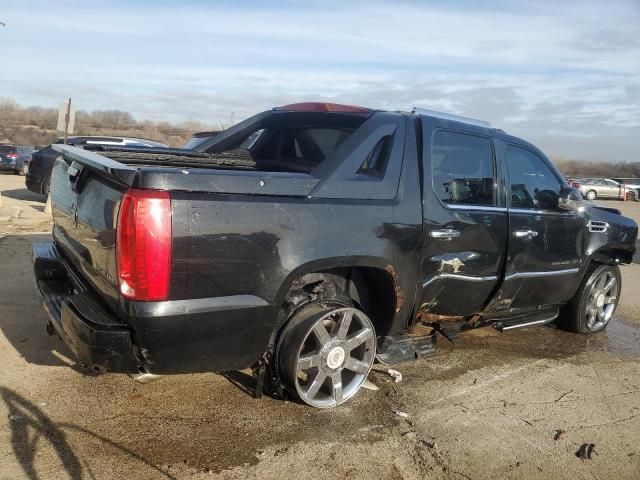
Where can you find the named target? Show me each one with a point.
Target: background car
(573, 182)
(15, 158)
(593, 188)
(630, 183)
(41, 163)
(198, 138)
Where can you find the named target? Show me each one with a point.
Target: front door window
(529, 176)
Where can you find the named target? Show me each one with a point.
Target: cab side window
(529, 174)
(463, 169)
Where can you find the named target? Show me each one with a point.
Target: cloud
(561, 75)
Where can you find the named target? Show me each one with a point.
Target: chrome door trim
(475, 208)
(539, 212)
(457, 276)
(550, 273)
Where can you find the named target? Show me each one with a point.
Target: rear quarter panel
(233, 245)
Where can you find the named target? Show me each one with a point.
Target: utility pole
(66, 121)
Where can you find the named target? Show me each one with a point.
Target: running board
(503, 327)
(405, 348)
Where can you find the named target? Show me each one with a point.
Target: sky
(564, 75)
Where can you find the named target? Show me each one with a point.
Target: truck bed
(176, 157)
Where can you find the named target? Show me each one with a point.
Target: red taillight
(143, 245)
(322, 107)
(12, 155)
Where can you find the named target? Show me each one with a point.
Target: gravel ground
(512, 405)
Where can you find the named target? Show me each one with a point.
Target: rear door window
(463, 169)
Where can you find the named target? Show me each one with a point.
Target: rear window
(292, 142)
(7, 149)
(311, 144)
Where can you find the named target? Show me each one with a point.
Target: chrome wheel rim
(591, 195)
(335, 358)
(602, 302)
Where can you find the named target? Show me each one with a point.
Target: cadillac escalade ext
(312, 239)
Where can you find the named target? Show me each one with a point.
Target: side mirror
(547, 199)
(570, 199)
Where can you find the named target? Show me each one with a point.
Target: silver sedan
(593, 188)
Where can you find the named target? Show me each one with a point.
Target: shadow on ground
(23, 320)
(24, 195)
(30, 426)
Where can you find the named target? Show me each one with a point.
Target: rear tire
(591, 195)
(593, 305)
(325, 352)
(23, 170)
(631, 197)
(46, 186)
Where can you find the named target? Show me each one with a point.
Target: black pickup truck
(311, 239)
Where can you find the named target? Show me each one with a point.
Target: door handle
(445, 234)
(525, 234)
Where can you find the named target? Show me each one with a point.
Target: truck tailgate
(85, 203)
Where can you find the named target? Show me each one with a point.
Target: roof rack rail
(451, 116)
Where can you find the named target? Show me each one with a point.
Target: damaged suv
(311, 239)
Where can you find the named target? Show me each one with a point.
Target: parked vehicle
(41, 163)
(198, 138)
(630, 184)
(593, 188)
(15, 158)
(310, 239)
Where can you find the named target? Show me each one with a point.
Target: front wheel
(591, 195)
(595, 301)
(326, 352)
(631, 196)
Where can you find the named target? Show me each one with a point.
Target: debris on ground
(369, 385)
(558, 434)
(429, 444)
(396, 375)
(14, 418)
(401, 414)
(564, 395)
(585, 451)
(410, 435)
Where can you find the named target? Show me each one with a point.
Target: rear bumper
(5, 167)
(176, 336)
(98, 340)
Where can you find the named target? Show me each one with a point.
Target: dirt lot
(487, 408)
